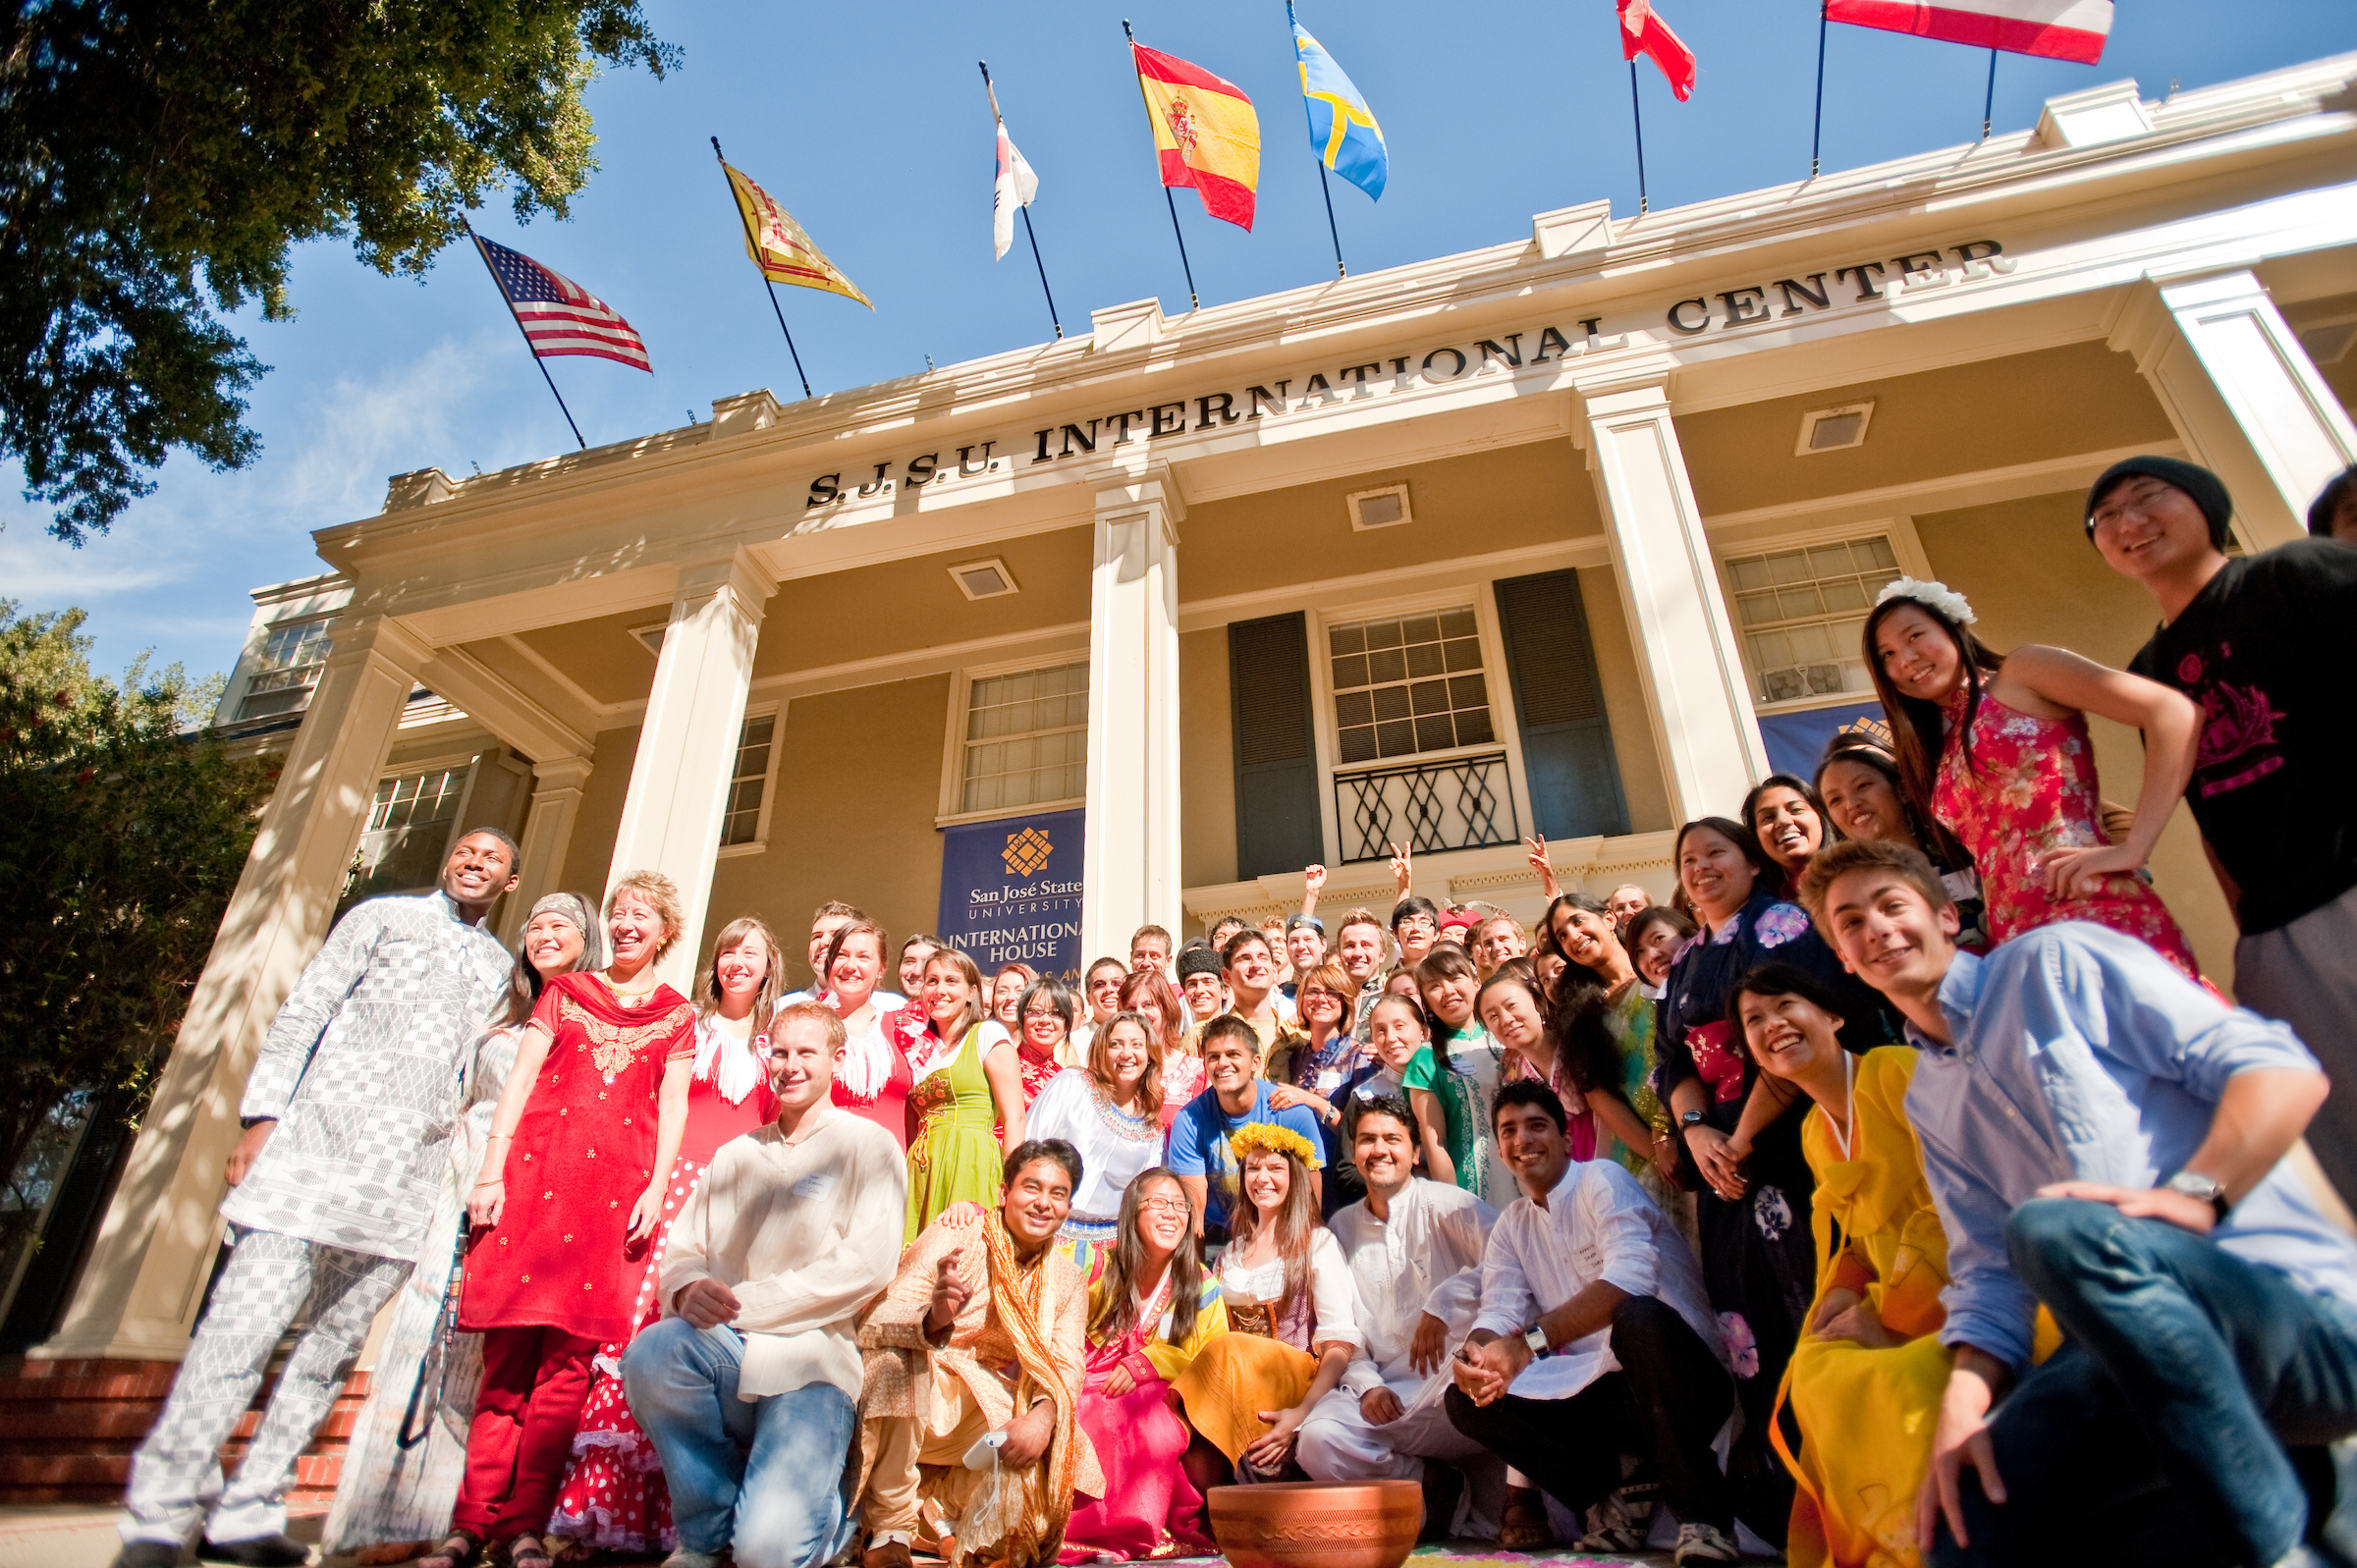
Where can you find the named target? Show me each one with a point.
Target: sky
(869, 124)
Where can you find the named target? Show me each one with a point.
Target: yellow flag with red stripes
(1205, 132)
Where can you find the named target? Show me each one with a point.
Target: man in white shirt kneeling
(1595, 1339)
(1414, 1248)
(750, 1387)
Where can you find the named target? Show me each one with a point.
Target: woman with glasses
(1043, 1035)
(1325, 1072)
(1152, 1311)
(1111, 1111)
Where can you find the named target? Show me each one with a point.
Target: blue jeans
(2193, 1394)
(764, 1476)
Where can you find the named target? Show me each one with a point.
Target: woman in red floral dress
(614, 1497)
(1996, 747)
(571, 1192)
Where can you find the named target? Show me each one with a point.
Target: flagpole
(1989, 99)
(1817, 121)
(753, 243)
(509, 302)
(1638, 115)
(1194, 299)
(1324, 189)
(1340, 270)
(1024, 208)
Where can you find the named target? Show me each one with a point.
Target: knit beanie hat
(2202, 488)
(1199, 961)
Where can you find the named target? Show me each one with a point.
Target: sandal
(1523, 1526)
(516, 1554)
(456, 1550)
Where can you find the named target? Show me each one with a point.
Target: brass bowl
(1317, 1524)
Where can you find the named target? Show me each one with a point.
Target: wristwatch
(1690, 1118)
(1536, 1339)
(2209, 1189)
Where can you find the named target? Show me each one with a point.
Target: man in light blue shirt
(2107, 1139)
(1198, 1152)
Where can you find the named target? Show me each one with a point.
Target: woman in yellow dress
(1865, 1381)
(1291, 1330)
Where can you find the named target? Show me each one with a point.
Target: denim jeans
(2193, 1392)
(764, 1476)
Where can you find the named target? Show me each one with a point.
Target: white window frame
(254, 670)
(769, 780)
(952, 746)
(1898, 528)
(440, 762)
(1502, 723)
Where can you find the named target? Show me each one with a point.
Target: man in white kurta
(750, 1387)
(1414, 1248)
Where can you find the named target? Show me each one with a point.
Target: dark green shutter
(1566, 741)
(1275, 750)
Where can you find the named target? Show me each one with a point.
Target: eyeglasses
(1165, 1206)
(1043, 1012)
(2138, 498)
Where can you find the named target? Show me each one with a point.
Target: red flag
(1643, 31)
(2059, 29)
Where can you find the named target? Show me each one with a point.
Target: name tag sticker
(815, 1185)
(1329, 1080)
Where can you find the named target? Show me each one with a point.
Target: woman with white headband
(1995, 747)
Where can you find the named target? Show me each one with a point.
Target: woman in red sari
(614, 1497)
(571, 1192)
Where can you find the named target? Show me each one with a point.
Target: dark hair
(1100, 1045)
(1415, 904)
(1446, 961)
(1826, 832)
(1929, 833)
(1527, 1091)
(856, 925)
(2328, 500)
(1296, 1221)
(1659, 914)
(515, 850)
(1237, 941)
(1577, 1016)
(524, 982)
(1916, 722)
(1033, 1150)
(1765, 873)
(1221, 1027)
(1090, 976)
(1118, 1305)
(1395, 1106)
(1211, 938)
(1858, 854)
(1059, 994)
(1777, 978)
(1150, 982)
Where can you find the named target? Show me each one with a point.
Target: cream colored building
(1597, 512)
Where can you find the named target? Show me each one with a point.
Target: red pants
(536, 1380)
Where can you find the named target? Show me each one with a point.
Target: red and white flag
(1643, 31)
(557, 314)
(2059, 29)
(1016, 186)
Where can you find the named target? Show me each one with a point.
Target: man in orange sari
(983, 1335)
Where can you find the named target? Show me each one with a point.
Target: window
(1408, 684)
(285, 670)
(1802, 614)
(750, 780)
(1026, 738)
(409, 830)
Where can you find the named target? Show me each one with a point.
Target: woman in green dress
(1463, 1069)
(967, 1104)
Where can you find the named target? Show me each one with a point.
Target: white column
(138, 1297)
(1693, 671)
(2245, 396)
(547, 834)
(1131, 863)
(687, 747)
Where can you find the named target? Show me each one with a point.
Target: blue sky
(869, 124)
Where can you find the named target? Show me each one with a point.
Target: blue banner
(1795, 741)
(1010, 891)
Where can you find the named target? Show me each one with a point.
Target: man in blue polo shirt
(1237, 1098)
(2107, 1139)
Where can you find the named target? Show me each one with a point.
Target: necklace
(632, 996)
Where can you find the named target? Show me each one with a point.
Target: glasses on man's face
(1164, 1205)
(2141, 499)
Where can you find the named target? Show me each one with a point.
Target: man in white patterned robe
(346, 1115)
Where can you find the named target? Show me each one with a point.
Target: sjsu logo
(1026, 852)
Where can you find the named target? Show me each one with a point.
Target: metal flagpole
(753, 240)
(1340, 270)
(1024, 208)
(1989, 99)
(1816, 123)
(1324, 189)
(1638, 115)
(509, 302)
(1194, 299)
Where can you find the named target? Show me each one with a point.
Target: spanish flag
(1204, 131)
(781, 247)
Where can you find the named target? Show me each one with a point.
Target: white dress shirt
(1598, 1224)
(1426, 1258)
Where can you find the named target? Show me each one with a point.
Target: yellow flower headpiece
(1267, 1135)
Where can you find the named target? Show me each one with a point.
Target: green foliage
(121, 833)
(158, 158)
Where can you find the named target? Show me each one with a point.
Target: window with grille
(1407, 684)
(1803, 612)
(1026, 738)
(409, 825)
(285, 670)
(750, 780)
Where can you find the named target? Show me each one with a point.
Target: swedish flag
(1342, 128)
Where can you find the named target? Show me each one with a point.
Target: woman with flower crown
(1292, 1328)
(1995, 747)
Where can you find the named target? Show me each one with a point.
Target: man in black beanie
(2262, 643)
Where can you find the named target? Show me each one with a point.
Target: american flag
(558, 315)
